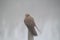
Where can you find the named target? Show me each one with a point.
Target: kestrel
(29, 22)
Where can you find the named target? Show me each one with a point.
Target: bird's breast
(28, 21)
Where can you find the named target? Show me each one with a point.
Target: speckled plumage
(29, 22)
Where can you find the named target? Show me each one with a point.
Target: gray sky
(45, 12)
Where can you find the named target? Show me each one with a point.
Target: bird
(30, 23)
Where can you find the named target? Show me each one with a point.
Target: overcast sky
(45, 12)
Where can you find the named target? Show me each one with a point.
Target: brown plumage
(29, 22)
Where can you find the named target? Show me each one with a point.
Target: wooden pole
(30, 36)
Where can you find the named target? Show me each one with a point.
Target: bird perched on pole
(29, 22)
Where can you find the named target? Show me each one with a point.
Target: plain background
(45, 12)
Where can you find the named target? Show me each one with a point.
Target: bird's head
(27, 14)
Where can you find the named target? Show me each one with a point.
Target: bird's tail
(38, 29)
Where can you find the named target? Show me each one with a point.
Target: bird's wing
(32, 21)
